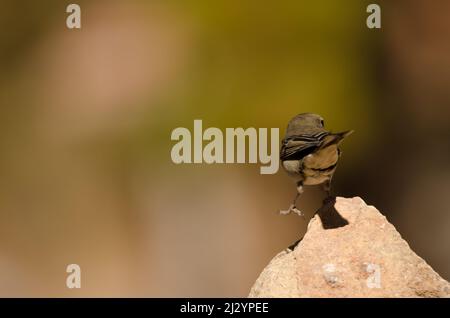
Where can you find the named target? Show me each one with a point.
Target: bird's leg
(299, 192)
(327, 188)
(292, 207)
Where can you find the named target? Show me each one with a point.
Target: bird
(309, 154)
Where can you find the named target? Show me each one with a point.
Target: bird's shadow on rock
(330, 217)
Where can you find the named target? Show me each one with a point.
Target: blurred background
(86, 116)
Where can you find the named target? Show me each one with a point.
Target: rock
(349, 250)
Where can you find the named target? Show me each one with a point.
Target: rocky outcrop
(349, 250)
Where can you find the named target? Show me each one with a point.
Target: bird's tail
(335, 138)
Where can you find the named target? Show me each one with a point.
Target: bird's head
(304, 123)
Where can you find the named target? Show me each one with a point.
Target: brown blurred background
(86, 117)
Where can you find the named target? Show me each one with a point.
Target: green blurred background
(86, 115)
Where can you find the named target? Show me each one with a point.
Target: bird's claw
(297, 211)
(293, 209)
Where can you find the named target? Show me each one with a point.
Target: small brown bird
(309, 154)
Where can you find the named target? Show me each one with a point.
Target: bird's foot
(293, 209)
(297, 211)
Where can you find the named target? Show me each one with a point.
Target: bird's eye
(322, 123)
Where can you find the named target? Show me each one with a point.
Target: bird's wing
(298, 146)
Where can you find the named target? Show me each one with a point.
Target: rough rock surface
(349, 250)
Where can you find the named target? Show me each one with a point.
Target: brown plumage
(309, 153)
